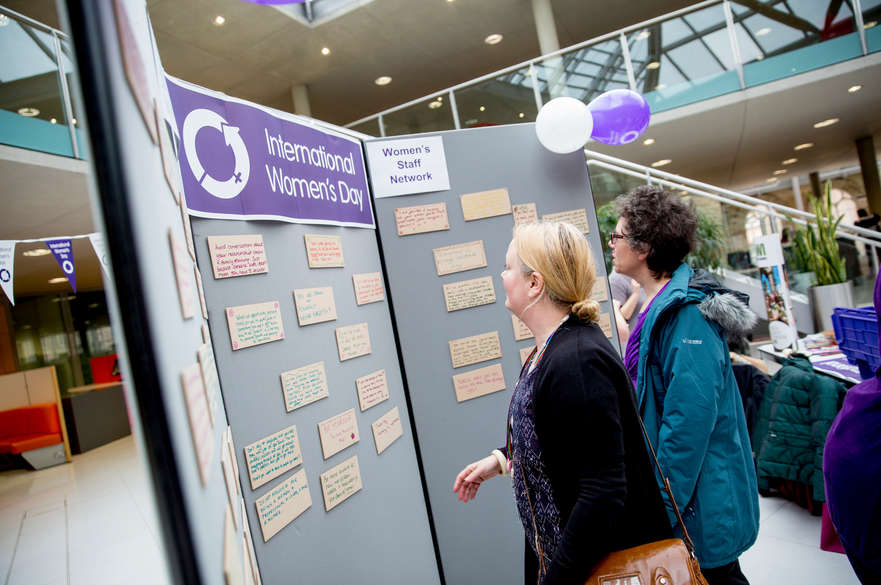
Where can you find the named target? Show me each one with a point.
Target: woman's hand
(474, 474)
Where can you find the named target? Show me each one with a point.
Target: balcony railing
(704, 51)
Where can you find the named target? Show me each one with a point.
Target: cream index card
(232, 560)
(324, 251)
(577, 217)
(525, 213)
(372, 389)
(232, 456)
(469, 293)
(524, 354)
(273, 455)
(353, 341)
(521, 331)
(605, 323)
(341, 482)
(281, 506)
(475, 349)
(180, 259)
(200, 421)
(459, 257)
(600, 293)
(237, 255)
(210, 377)
(338, 432)
(368, 288)
(315, 305)
(201, 291)
(387, 429)
(229, 476)
(420, 219)
(304, 385)
(479, 382)
(485, 204)
(254, 324)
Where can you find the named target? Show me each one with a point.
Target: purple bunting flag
(62, 249)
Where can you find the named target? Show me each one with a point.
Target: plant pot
(801, 281)
(825, 298)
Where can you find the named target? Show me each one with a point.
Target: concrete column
(869, 168)
(796, 192)
(546, 30)
(300, 95)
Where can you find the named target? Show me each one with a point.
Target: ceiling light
(780, 172)
(661, 163)
(854, 88)
(771, 180)
(760, 57)
(58, 280)
(450, 1)
(790, 161)
(439, 98)
(384, 80)
(37, 252)
(325, 51)
(653, 65)
(219, 20)
(660, 86)
(643, 35)
(435, 105)
(74, 121)
(648, 141)
(482, 108)
(29, 112)
(762, 32)
(53, 121)
(804, 146)
(870, 24)
(493, 39)
(4, 20)
(521, 115)
(825, 123)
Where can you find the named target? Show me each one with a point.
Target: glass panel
(583, 74)
(40, 337)
(370, 127)
(507, 99)
(871, 19)
(426, 116)
(67, 62)
(683, 60)
(31, 108)
(780, 38)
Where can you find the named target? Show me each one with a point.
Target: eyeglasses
(615, 236)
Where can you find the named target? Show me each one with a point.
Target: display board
(308, 364)
(462, 352)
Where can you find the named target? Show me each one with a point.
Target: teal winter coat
(693, 413)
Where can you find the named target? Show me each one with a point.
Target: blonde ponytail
(587, 311)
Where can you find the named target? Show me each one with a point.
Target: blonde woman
(582, 477)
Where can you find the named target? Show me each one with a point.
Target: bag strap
(688, 543)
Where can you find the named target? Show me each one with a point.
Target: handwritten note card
(232, 559)
(283, 504)
(475, 349)
(525, 213)
(605, 323)
(230, 481)
(524, 354)
(237, 255)
(353, 341)
(304, 385)
(188, 228)
(485, 204)
(315, 305)
(368, 288)
(521, 331)
(387, 429)
(338, 432)
(254, 324)
(230, 446)
(210, 377)
(180, 259)
(372, 389)
(459, 257)
(273, 455)
(600, 293)
(340, 482)
(469, 293)
(324, 251)
(479, 382)
(200, 421)
(577, 217)
(420, 219)
(201, 291)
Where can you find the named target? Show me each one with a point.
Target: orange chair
(34, 434)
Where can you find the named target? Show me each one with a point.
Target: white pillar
(546, 30)
(300, 95)
(796, 192)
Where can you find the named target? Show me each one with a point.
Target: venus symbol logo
(4, 275)
(202, 118)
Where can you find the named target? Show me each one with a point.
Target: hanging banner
(7, 263)
(242, 161)
(768, 256)
(100, 248)
(62, 249)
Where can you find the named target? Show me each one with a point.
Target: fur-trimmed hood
(730, 309)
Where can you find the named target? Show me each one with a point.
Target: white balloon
(564, 125)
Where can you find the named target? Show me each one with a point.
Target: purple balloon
(619, 116)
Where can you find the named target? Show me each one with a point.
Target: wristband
(502, 460)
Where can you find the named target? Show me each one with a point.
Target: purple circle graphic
(214, 154)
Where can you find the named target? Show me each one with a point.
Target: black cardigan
(600, 470)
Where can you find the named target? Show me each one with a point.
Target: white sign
(100, 248)
(768, 251)
(7, 263)
(404, 167)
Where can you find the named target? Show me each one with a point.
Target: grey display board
(380, 534)
(483, 537)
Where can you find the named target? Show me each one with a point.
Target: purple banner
(62, 249)
(238, 161)
(838, 366)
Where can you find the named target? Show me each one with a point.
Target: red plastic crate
(856, 331)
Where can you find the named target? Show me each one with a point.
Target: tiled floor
(91, 522)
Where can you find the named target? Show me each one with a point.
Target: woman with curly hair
(583, 480)
(678, 360)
